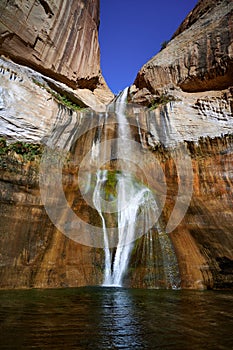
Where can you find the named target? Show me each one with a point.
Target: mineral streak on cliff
(59, 38)
(33, 253)
(58, 41)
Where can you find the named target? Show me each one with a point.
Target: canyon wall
(58, 38)
(183, 123)
(190, 83)
(35, 253)
(50, 59)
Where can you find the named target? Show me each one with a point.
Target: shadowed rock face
(203, 240)
(33, 253)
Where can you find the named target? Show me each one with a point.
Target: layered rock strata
(49, 61)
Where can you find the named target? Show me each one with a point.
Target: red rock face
(203, 240)
(33, 253)
(198, 60)
(57, 38)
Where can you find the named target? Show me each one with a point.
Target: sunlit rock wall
(200, 58)
(58, 39)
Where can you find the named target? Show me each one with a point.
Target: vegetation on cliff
(26, 151)
(160, 101)
(60, 98)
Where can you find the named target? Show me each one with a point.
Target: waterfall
(100, 180)
(132, 198)
(123, 189)
(123, 201)
(129, 197)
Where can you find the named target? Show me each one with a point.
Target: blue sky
(132, 31)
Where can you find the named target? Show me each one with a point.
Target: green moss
(3, 146)
(38, 83)
(63, 99)
(111, 184)
(137, 243)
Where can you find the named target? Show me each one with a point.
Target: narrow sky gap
(132, 31)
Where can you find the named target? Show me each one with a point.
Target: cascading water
(130, 197)
(135, 205)
(117, 206)
(101, 178)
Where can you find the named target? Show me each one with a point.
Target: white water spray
(135, 205)
(131, 196)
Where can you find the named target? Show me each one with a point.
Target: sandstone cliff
(200, 58)
(34, 253)
(58, 39)
(49, 73)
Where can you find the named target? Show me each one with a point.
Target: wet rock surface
(34, 249)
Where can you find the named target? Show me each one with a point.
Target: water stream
(122, 191)
(131, 198)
